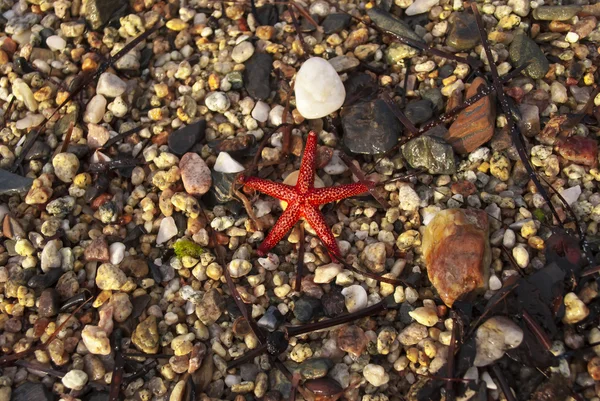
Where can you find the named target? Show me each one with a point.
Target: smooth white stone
(110, 85)
(167, 230)
(117, 252)
(226, 164)
(55, 43)
(421, 6)
(261, 111)
(356, 297)
(326, 273)
(318, 88)
(95, 110)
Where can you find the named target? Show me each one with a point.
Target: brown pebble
(97, 251)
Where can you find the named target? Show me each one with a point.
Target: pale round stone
(56, 43)
(326, 273)
(110, 85)
(75, 379)
(494, 337)
(425, 315)
(318, 88)
(376, 375)
(356, 298)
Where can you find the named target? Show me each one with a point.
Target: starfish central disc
(303, 200)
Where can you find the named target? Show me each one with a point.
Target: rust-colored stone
(579, 150)
(97, 251)
(552, 129)
(474, 126)
(457, 252)
(352, 339)
(464, 188)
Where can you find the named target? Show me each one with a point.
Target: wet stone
(524, 50)
(42, 281)
(464, 34)
(370, 127)
(579, 150)
(248, 371)
(182, 140)
(335, 23)
(430, 153)
(257, 75)
(39, 150)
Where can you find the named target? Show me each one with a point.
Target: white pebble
(29, 121)
(226, 164)
(425, 315)
(94, 112)
(117, 252)
(571, 194)
(242, 52)
(56, 43)
(239, 268)
(110, 85)
(326, 273)
(318, 88)
(167, 230)
(261, 111)
(376, 375)
(75, 379)
(217, 101)
(421, 6)
(495, 284)
(494, 337)
(356, 298)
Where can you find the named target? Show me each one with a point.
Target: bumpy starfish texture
(303, 200)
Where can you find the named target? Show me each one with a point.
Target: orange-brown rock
(97, 251)
(579, 150)
(457, 252)
(352, 339)
(474, 126)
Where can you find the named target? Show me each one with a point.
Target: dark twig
(503, 383)
(122, 136)
(300, 267)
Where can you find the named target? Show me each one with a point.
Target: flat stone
(343, 64)
(97, 251)
(419, 111)
(226, 164)
(352, 339)
(388, 22)
(524, 50)
(431, 153)
(457, 252)
(474, 126)
(11, 184)
(464, 34)
(210, 307)
(555, 13)
(257, 75)
(370, 127)
(32, 391)
(319, 90)
(195, 174)
(335, 23)
(183, 139)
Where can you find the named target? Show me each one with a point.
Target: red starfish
(303, 200)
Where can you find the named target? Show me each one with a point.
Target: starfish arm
(315, 218)
(320, 196)
(274, 189)
(281, 228)
(306, 177)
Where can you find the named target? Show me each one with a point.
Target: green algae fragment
(187, 248)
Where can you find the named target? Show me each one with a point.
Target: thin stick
(300, 267)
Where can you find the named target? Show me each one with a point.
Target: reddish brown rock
(457, 252)
(474, 126)
(464, 188)
(97, 251)
(579, 150)
(352, 339)
(552, 129)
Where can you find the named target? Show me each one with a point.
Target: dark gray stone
(335, 23)
(464, 34)
(182, 140)
(419, 111)
(30, 391)
(11, 184)
(370, 127)
(388, 22)
(271, 319)
(257, 75)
